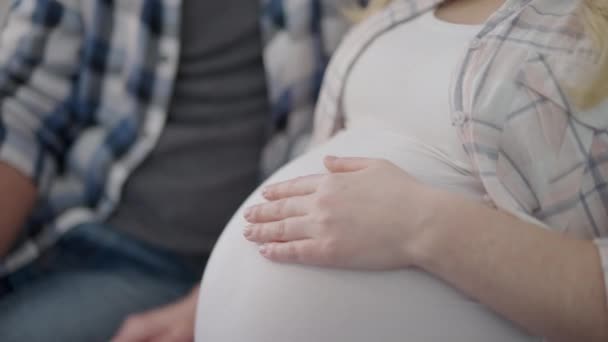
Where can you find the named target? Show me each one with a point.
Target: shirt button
(475, 43)
(459, 118)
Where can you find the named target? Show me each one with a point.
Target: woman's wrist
(440, 215)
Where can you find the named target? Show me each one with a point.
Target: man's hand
(172, 323)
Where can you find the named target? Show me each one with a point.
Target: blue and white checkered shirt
(85, 87)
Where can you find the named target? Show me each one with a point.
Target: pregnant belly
(247, 298)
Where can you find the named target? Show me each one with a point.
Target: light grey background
(3, 10)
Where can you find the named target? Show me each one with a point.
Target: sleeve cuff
(26, 156)
(602, 245)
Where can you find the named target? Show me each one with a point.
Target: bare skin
(17, 198)
(467, 12)
(172, 323)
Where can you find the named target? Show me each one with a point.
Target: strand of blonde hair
(358, 14)
(595, 89)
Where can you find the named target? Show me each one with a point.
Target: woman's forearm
(550, 284)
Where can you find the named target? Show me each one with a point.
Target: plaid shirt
(85, 87)
(84, 93)
(539, 157)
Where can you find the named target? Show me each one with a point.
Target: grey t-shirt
(207, 159)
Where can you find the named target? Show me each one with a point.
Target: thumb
(338, 165)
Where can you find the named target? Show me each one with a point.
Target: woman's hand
(365, 214)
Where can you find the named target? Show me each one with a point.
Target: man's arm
(17, 197)
(39, 53)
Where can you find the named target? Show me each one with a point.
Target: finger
(338, 165)
(304, 252)
(178, 334)
(140, 328)
(301, 186)
(291, 229)
(277, 210)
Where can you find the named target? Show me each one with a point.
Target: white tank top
(401, 85)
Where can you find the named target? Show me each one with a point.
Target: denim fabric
(83, 288)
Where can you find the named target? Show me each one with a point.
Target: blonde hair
(357, 13)
(593, 90)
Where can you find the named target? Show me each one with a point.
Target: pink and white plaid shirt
(539, 157)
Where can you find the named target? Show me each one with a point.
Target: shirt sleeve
(602, 245)
(39, 52)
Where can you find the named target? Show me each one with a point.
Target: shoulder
(542, 134)
(552, 27)
(560, 56)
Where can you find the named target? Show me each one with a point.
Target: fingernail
(263, 249)
(248, 212)
(265, 192)
(247, 231)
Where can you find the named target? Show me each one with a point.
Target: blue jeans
(83, 289)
